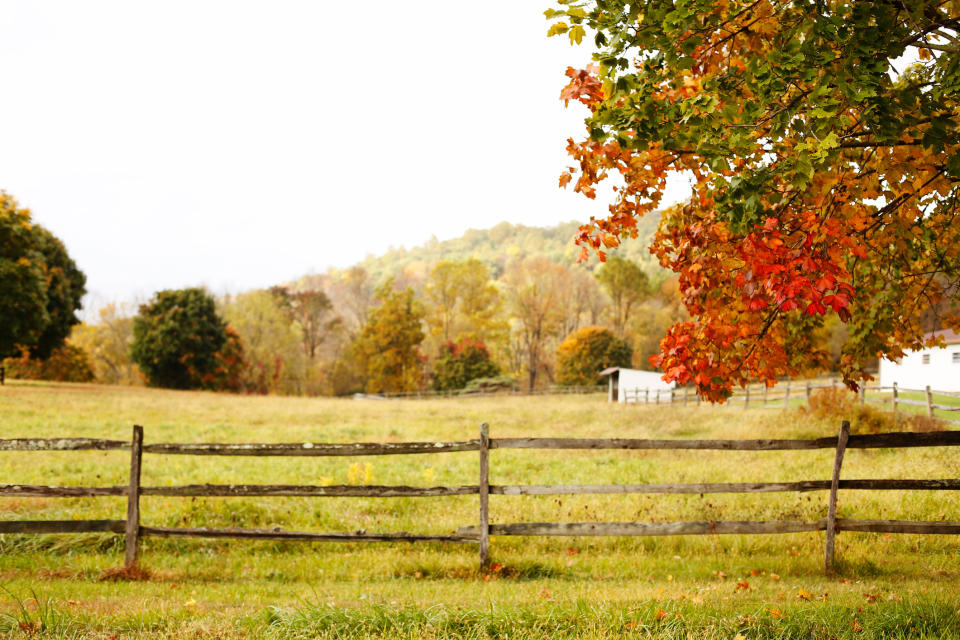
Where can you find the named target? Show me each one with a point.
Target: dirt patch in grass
(133, 573)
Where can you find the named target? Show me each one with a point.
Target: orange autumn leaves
(822, 185)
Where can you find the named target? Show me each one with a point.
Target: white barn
(938, 368)
(621, 379)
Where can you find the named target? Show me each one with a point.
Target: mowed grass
(676, 587)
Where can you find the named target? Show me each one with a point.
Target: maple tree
(825, 169)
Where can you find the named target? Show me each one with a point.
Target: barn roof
(949, 336)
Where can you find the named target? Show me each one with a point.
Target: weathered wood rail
(133, 529)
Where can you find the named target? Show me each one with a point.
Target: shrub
(840, 404)
(67, 363)
(588, 351)
(460, 362)
(498, 383)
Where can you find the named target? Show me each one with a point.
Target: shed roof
(949, 336)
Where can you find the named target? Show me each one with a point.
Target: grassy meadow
(900, 586)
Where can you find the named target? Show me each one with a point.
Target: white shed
(938, 368)
(621, 380)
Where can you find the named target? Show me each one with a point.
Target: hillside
(500, 244)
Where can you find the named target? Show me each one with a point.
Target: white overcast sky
(239, 144)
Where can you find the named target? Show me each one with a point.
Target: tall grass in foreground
(919, 619)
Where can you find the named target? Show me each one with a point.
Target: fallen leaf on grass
(720, 574)
(804, 595)
(776, 614)
(871, 597)
(660, 614)
(856, 626)
(190, 603)
(572, 552)
(545, 594)
(742, 585)
(755, 572)
(774, 576)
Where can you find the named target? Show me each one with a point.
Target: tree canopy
(40, 285)
(586, 352)
(176, 338)
(388, 347)
(822, 141)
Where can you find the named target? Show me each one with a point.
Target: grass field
(680, 587)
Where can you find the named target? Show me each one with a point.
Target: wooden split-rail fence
(480, 533)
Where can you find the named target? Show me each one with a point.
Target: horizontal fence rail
(782, 394)
(479, 534)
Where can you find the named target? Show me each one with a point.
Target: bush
(460, 362)
(840, 404)
(588, 351)
(498, 383)
(67, 363)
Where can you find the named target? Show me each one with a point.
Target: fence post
(929, 403)
(764, 394)
(685, 389)
(808, 392)
(863, 394)
(746, 397)
(894, 399)
(484, 490)
(646, 399)
(3, 374)
(834, 486)
(786, 396)
(133, 497)
(658, 396)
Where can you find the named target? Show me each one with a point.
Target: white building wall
(631, 379)
(941, 371)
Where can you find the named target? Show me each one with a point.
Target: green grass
(546, 587)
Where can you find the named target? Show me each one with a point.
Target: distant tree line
(525, 322)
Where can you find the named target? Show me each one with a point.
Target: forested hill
(500, 244)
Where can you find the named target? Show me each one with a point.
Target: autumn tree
(176, 338)
(533, 289)
(585, 353)
(272, 344)
(627, 285)
(40, 285)
(460, 300)
(825, 167)
(108, 343)
(313, 314)
(388, 348)
(460, 362)
(582, 303)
